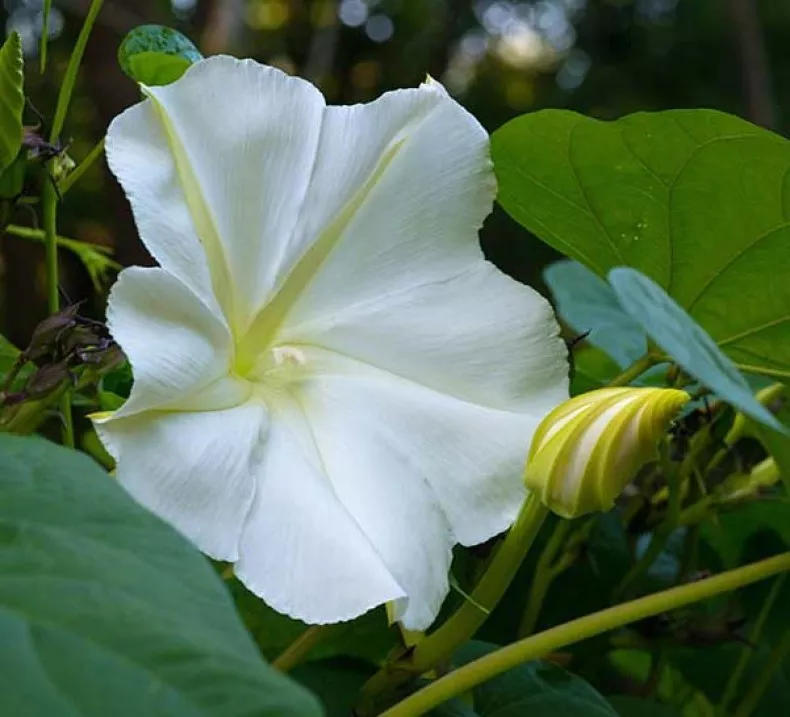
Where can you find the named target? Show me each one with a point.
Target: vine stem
(295, 653)
(474, 673)
(439, 646)
(635, 370)
(50, 198)
(760, 685)
(746, 652)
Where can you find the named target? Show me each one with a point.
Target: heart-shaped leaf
(685, 342)
(105, 610)
(12, 99)
(156, 55)
(697, 200)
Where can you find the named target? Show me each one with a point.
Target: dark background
(500, 58)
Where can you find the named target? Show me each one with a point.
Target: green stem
(70, 78)
(746, 652)
(70, 179)
(77, 247)
(542, 578)
(47, 9)
(462, 625)
(763, 371)
(485, 668)
(49, 195)
(760, 685)
(295, 653)
(634, 371)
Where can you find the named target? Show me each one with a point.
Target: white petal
(479, 336)
(301, 551)
(219, 162)
(177, 347)
(399, 190)
(194, 470)
(418, 471)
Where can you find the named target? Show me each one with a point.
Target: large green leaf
(106, 610)
(697, 200)
(537, 689)
(156, 55)
(12, 99)
(688, 345)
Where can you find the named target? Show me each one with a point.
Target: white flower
(332, 386)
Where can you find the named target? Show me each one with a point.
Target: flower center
(279, 365)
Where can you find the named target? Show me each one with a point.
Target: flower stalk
(469, 676)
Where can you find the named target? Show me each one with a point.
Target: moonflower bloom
(332, 387)
(587, 449)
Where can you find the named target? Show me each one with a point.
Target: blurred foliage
(500, 58)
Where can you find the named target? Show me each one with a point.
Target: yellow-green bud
(587, 449)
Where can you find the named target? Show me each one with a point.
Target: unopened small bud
(589, 448)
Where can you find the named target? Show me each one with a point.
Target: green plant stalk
(634, 371)
(439, 646)
(462, 625)
(746, 652)
(295, 653)
(763, 371)
(77, 247)
(70, 78)
(73, 177)
(485, 668)
(47, 9)
(760, 685)
(49, 195)
(545, 573)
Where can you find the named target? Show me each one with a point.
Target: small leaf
(104, 609)
(156, 55)
(587, 303)
(683, 340)
(12, 99)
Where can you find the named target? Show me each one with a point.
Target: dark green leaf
(635, 707)
(587, 303)
(104, 609)
(729, 533)
(697, 200)
(335, 682)
(156, 55)
(12, 99)
(685, 341)
(537, 689)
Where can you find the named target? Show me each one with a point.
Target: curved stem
(70, 78)
(462, 625)
(763, 371)
(49, 196)
(70, 179)
(760, 685)
(295, 653)
(635, 370)
(465, 678)
(542, 578)
(746, 652)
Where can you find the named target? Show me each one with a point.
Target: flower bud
(587, 449)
